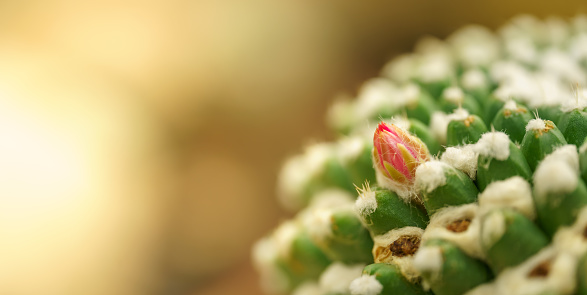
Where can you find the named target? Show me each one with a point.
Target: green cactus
(473, 183)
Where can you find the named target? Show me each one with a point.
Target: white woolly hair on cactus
(431, 175)
(349, 148)
(474, 79)
(284, 236)
(554, 177)
(438, 124)
(374, 95)
(453, 95)
(561, 277)
(366, 203)
(366, 285)
(565, 153)
(429, 259)
(510, 105)
(265, 255)
(514, 192)
(493, 228)
(383, 254)
(536, 124)
(459, 114)
(337, 278)
(297, 172)
(317, 218)
(468, 240)
(571, 239)
(463, 158)
(495, 145)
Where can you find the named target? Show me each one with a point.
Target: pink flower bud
(396, 155)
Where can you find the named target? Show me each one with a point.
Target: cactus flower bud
(396, 155)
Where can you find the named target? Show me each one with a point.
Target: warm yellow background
(139, 140)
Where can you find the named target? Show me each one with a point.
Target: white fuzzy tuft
(495, 145)
(438, 125)
(576, 102)
(401, 68)
(404, 191)
(337, 278)
(492, 229)
(469, 240)
(319, 223)
(409, 95)
(317, 217)
(514, 192)
(474, 79)
(284, 236)
(431, 175)
(350, 148)
(566, 153)
(553, 177)
(435, 67)
(291, 181)
(265, 255)
(366, 285)
(463, 158)
(366, 203)
(561, 64)
(510, 105)
(382, 253)
(331, 198)
(453, 95)
(536, 124)
(561, 278)
(571, 239)
(429, 259)
(374, 95)
(341, 113)
(459, 114)
(297, 172)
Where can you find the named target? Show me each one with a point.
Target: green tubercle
(509, 238)
(448, 270)
(541, 138)
(382, 210)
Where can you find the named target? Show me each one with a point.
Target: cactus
(469, 161)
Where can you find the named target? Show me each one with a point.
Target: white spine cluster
(366, 203)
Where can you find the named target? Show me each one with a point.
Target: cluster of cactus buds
(461, 170)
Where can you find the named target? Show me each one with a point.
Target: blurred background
(140, 140)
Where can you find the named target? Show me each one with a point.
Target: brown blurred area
(140, 140)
